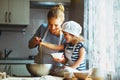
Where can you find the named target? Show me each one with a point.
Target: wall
(77, 11)
(102, 32)
(117, 37)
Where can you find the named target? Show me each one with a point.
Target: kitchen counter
(16, 61)
(46, 77)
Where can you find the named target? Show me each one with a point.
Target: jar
(97, 74)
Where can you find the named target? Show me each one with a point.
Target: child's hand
(57, 59)
(66, 67)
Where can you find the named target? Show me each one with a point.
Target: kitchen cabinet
(17, 70)
(14, 12)
(15, 66)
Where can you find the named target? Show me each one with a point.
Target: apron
(68, 54)
(44, 53)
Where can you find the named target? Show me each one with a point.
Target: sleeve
(80, 45)
(41, 30)
(38, 32)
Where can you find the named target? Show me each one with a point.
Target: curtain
(102, 34)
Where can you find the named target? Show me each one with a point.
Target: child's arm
(52, 46)
(80, 59)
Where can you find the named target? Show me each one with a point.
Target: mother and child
(73, 47)
(74, 50)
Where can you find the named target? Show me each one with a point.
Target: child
(74, 51)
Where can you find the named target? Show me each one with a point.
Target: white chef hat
(72, 27)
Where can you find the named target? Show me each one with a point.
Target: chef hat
(72, 27)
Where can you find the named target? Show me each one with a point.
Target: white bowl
(39, 69)
(81, 75)
(57, 55)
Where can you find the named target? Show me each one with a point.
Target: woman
(51, 33)
(74, 50)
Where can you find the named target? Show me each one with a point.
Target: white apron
(68, 54)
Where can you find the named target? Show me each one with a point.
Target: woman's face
(68, 37)
(54, 25)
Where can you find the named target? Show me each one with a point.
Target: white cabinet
(14, 12)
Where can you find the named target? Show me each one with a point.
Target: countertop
(16, 61)
(46, 77)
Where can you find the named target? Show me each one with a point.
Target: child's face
(68, 37)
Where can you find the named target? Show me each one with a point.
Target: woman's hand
(37, 40)
(34, 42)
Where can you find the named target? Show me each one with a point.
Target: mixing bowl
(39, 69)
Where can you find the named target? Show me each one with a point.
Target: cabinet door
(19, 12)
(3, 11)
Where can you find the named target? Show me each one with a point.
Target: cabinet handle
(5, 16)
(9, 17)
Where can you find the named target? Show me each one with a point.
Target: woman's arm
(35, 40)
(80, 59)
(52, 46)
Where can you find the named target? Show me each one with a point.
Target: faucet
(7, 53)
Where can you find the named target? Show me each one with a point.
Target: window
(102, 33)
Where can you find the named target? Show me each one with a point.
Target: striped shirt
(75, 55)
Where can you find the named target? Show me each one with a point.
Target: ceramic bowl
(81, 75)
(57, 55)
(39, 69)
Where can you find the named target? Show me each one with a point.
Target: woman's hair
(77, 39)
(57, 12)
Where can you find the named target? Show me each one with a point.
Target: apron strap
(74, 47)
(60, 40)
(45, 34)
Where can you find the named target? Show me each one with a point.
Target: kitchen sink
(16, 61)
